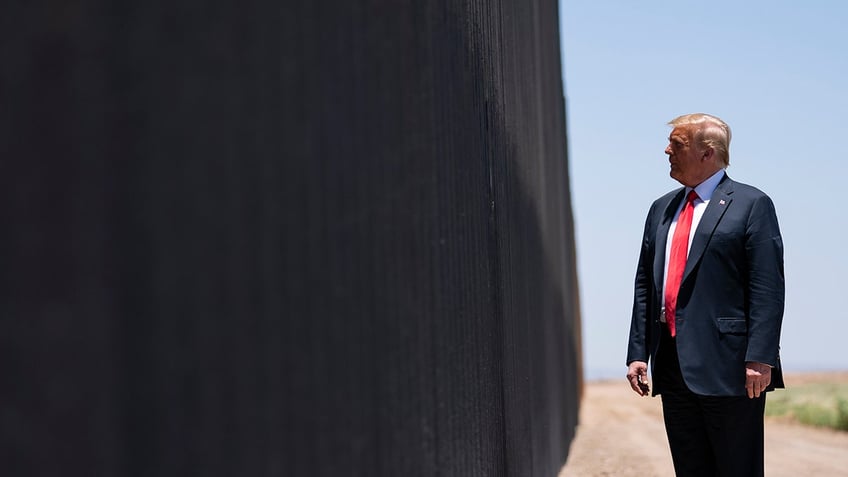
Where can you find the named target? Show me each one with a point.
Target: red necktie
(677, 259)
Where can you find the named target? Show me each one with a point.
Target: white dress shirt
(705, 192)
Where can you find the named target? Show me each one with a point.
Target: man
(708, 307)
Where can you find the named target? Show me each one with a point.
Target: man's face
(687, 159)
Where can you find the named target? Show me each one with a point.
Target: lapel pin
(721, 202)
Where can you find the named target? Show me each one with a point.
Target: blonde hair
(711, 132)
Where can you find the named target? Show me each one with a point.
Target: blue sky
(777, 73)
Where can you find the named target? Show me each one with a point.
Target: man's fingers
(758, 379)
(636, 384)
(756, 387)
(636, 372)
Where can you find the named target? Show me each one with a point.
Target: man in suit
(708, 307)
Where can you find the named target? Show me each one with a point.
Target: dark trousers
(710, 436)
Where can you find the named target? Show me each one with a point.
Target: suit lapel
(719, 202)
(662, 238)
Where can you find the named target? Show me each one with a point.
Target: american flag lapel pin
(721, 202)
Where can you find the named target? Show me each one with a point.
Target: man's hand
(637, 376)
(757, 378)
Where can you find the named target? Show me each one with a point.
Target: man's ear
(709, 153)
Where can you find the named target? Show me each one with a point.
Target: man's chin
(676, 177)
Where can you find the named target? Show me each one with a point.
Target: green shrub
(814, 404)
(842, 414)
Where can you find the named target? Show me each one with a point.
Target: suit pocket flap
(732, 325)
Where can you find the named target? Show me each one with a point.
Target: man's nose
(668, 149)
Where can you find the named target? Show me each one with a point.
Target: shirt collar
(705, 189)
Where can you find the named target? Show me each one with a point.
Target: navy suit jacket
(730, 304)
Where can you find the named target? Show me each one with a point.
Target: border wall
(285, 239)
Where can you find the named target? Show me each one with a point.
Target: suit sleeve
(637, 349)
(766, 287)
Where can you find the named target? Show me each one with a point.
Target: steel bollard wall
(285, 239)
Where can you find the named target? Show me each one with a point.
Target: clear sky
(777, 72)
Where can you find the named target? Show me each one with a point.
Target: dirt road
(622, 435)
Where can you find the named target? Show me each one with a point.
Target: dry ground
(622, 435)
